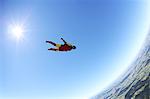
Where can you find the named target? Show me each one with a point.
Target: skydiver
(61, 47)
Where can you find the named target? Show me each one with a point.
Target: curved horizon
(108, 36)
(134, 82)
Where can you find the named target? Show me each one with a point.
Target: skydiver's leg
(53, 49)
(51, 43)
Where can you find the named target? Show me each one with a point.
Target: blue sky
(107, 34)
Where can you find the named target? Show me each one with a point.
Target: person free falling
(61, 47)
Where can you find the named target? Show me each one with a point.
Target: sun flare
(17, 31)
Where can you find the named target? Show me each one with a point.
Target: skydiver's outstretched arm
(63, 40)
(51, 43)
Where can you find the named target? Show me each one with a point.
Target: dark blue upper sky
(107, 33)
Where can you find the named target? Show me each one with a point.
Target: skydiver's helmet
(73, 47)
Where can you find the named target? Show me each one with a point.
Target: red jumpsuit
(60, 47)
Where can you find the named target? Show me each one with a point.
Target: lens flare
(17, 31)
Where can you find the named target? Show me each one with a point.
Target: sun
(18, 32)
